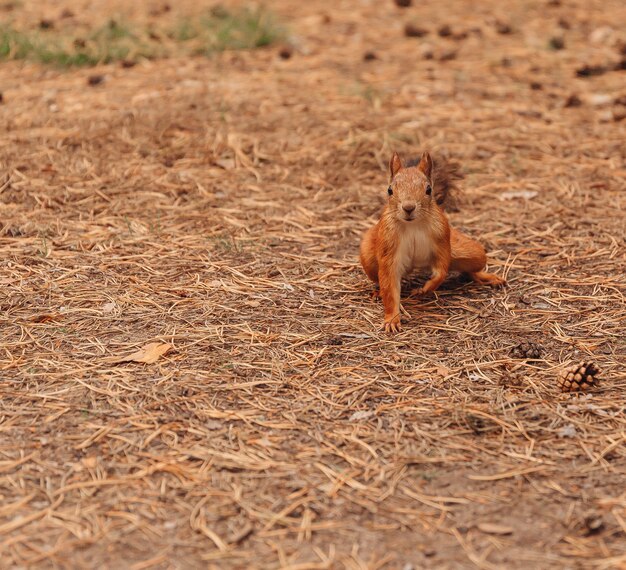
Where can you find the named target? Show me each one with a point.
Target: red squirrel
(413, 233)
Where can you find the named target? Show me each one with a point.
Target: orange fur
(413, 233)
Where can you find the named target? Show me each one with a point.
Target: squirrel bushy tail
(445, 177)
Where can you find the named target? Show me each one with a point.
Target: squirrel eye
(429, 190)
(390, 190)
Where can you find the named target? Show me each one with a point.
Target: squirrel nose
(409, 207)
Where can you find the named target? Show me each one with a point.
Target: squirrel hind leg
(484, 278)
(368, 258)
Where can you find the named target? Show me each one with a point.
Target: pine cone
(579, 377)
(528, 350)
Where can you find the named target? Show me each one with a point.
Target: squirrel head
(410, 188)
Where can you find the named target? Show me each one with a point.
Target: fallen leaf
(226, 163)
(526, 194)
(443, 371)
(600, 99)
(141, 97)
(601, 35)
(568, 431)
(492, 528)
(90, 462)
(242, 534)
(46, 318)
(148, 354)
(361, 415)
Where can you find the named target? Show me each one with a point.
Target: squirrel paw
(392, 324)
(484, 278)
(375, 294)
(421, 291)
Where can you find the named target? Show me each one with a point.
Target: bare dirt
(216, 205)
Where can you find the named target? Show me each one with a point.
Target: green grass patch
(110, 42)
(219, 30)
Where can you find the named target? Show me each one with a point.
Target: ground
(216, 204)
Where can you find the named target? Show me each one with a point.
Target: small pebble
(413, 31)
(285, 52)
(448, 55)
(621, 65)
(556, 43)
(503, 27)
(94, 80)
(590, 70)
(426, 51)
(619, 114)
(573, 101)
(594, 523)
(564, 24)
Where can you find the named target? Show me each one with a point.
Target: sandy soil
(216, 205)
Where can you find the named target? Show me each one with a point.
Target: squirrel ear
(395, 164)
(426, 164)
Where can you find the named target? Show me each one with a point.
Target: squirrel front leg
(389, 282)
